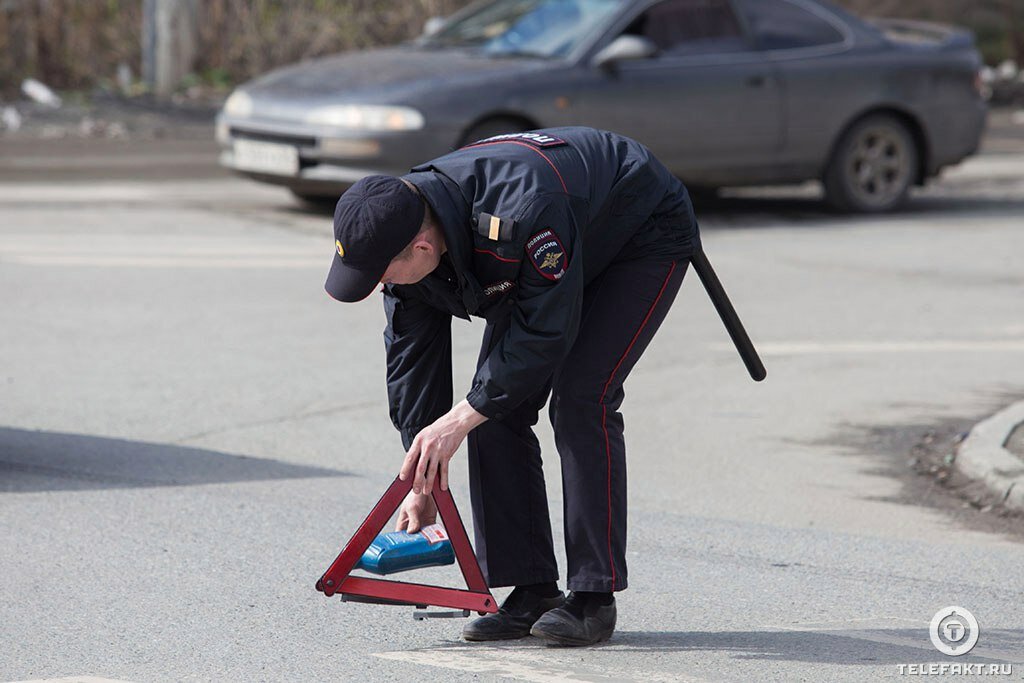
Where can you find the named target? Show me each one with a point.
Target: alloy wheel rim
(878, 168)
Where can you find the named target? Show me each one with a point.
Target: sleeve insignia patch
(499, 287)
(547, 254)
(540, 140)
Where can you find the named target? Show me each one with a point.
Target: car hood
(391, 75)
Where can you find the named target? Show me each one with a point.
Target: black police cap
(373, 222)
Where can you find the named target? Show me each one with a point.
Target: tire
(702, 195)
(873, 166)
(315, 201)
(494, 126)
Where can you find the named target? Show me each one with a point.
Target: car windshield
(532, 28)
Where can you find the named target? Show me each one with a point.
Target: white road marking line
(167, 262)
(524, 664)
(156, 252)
(89, 161)
(479, 663)
(827, 348)
(16, 194)
(73, 679)
(162, 249)
(92, 193)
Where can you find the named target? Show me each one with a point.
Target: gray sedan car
(725, 92)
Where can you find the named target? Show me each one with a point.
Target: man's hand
(417, 511)
(435, 445)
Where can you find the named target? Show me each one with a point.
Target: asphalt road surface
(192, 429)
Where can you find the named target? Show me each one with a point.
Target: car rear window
(690, 26)
(784, 25)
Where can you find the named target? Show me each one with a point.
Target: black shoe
(578, 622)
(513, 619)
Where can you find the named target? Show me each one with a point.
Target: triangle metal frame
(337, 580)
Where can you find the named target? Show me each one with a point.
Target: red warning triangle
(337, 580)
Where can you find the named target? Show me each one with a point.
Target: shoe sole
(552, 639)
(485, 638)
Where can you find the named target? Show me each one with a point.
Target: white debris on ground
(10, 118)
(99, 128)
(40, 93)
(104, 115)
(1004, 83)
(1007, 70)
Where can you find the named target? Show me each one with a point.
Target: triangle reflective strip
(337, 580)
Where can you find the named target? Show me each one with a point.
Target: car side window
(784, 25)
(685, 27)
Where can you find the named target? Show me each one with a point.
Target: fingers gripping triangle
(337, 580)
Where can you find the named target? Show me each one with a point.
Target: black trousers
(622, 309)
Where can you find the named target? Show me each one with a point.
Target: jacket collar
(454, 214)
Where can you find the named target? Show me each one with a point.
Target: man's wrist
(467, 416)
(478, 400)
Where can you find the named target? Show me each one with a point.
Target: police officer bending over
(572, 244)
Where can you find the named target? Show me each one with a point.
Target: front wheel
(315, 201)
(873, 166)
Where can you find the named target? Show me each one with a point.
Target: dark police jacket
(528, 219)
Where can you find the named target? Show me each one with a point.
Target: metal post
(170, 42)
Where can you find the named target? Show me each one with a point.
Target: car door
(708, 100)
(824, 87)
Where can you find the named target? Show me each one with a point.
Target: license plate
(266, 157)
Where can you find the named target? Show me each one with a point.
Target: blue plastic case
(399, 551)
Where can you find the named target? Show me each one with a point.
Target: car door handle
(757, 81)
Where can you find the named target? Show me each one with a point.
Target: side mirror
(433, 25)
(624, 48)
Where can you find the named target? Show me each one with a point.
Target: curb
(982, 456)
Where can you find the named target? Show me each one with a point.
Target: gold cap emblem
(341, 249)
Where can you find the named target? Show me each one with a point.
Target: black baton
(728, 314)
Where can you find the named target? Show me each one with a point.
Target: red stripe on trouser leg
(608, 453)
(604, 411)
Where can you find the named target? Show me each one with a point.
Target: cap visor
(350, 285)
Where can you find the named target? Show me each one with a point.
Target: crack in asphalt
(291, 417)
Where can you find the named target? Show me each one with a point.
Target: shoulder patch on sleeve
(547, 254)
(541, 140)
(499, 287)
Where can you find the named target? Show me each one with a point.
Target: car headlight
(366, 117)
(239, 105)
